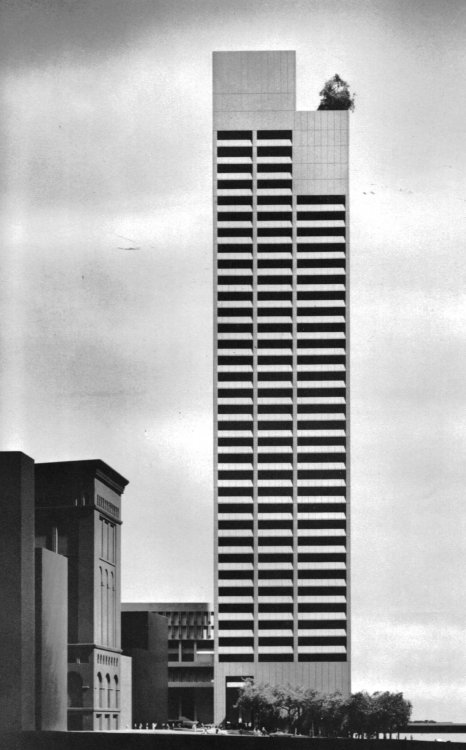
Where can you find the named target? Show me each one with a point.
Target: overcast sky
(106, 289)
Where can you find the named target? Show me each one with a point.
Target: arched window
(101, 690)
(75, 690)
(117, 692)
(109, 691)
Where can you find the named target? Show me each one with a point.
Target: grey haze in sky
(106, 289)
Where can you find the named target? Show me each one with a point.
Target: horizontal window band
(275, 657)
(322, 641)
(234, 298)
(320, 247)
(322, 607)
(247, 575)
(275, 590)
(236, 657)
(236, 607)
(319, 231)
(319, 541)
(275, 641)
(317, 574)
(321, 215)
(234, 200)
(243, 312)
(238, 263)
(236, 641)
(232, 491)
(322, 491)
(316, 623)
(274, 134)
(321, 507)
(238, 541)
(280, 559)
(275, 247)
(235, 327)
(318, 199)
(317, 591)
(232, 168)
(234, 135)
(275, 608)
(234, 344)
(274, 150)
(234, 184)
(275, 232)
(276, 523)
(324, 557)
(274, 200)
(322, 657)
(263, 168)
(235, 281)
(335, 359)
(231, 558)
(230, 524)
(234, 216)
(264, 184)
(315, 279)
(273, 492)
(234, 232)
(234, 151)
(234, 624)
(321, 263)
(275, 216)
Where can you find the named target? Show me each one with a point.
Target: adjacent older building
(17, 613)
(281, 379)
(190, 654)
(78, 516)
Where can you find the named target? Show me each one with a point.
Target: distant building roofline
(168, 606)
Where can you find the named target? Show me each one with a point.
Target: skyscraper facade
(281, 399)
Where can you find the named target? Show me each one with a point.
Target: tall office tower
(281, 432)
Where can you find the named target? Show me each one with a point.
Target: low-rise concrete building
(190, 655)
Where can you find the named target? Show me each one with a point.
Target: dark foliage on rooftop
(336, 94)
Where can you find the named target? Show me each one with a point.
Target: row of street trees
(309, 712)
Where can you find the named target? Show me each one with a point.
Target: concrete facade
(51, 640)
(126, 711)
(190, 655)
(281, 375)
(17, 615)
(78, 515)
(144, 639)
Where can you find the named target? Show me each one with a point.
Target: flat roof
(96, 466)
(166, 607)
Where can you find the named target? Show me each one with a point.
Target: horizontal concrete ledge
(181, 741)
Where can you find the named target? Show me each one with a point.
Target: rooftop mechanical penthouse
(281, 378)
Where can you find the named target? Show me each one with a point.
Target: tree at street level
(307, 711)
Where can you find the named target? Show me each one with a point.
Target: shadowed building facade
(78, 515)
(144, 637)
(17, 613)
(281, 427)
